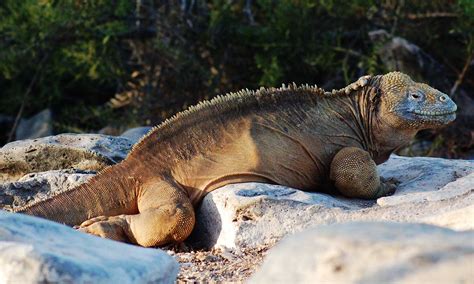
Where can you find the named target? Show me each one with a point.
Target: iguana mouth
(434, 113)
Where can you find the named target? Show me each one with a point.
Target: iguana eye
(416, 96)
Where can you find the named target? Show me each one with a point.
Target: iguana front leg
(355, 175)
(166, 215)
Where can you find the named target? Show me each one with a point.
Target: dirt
(217, 265)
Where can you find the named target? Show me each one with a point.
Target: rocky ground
(423, 232)
(218, 264)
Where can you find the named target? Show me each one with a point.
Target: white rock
(422, 179)
(252, 214)
(460, 219)
(33, 250)
(371, 253)
(112, 147)
(37, 186)
(64, 151)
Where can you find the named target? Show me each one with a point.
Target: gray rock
(33, 250)
(39, 125)
(80, 151)
(135, 134)
(371, 253)
(253, 214)
(399, 54)
(38, 186)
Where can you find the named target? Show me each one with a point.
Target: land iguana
(297, 136)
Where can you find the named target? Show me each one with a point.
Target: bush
(123, 62)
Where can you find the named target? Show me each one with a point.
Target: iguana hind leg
(355, 175)
(110, 227)
(166, 215)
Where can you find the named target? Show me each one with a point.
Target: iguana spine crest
(234, 98)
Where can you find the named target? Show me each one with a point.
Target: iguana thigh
(165, 215)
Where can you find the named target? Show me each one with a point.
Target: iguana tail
(111, 192)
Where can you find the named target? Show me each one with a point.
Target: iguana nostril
(443, 98)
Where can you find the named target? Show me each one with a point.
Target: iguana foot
(387, 187)
(110, 227)
(355, 175)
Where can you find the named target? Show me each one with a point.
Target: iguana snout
(430, 106)
(415, 105)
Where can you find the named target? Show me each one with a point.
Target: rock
(397, 53)
(33, 250)
(39, 186)
(80, 151)
(253, 214)
(422, 179)
(371, 253)
(250, 214)
(459, 219)
(39, 125)
(459, 188)
(135, 134)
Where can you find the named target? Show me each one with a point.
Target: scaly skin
(300, 137)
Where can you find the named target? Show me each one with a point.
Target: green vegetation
(123, 63)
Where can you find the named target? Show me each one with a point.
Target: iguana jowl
(302, 137)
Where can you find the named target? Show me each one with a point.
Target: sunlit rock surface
(361, 252)
(64, 151)
(33, 250)
(431, 190)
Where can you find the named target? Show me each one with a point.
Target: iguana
(297, 136)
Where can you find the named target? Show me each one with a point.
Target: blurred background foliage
(124, 63)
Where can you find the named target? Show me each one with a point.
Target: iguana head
(408, 105)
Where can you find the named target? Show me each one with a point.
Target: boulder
(254, 214)
(361, 252)
(37, 186)
(33, 250)
(397, 53)
(64, 151)
(39, 125)
(427, 179)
